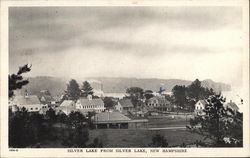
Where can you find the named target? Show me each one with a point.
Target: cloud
(126, 41)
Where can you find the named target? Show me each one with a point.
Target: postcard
(125, 78)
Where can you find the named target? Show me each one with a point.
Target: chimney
(89, 97)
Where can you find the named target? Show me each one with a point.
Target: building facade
(159, 102)
(199, 107)
(66, 107)
(124, 106)
(117, 120)
(90, 104)
(30, 102)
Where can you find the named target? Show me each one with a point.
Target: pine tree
(16, 81)
(86, 89)
(73, 90)
(219, 123)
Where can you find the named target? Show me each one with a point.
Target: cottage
(90, 104)
(159, 103)
(66, 107)
(46, 98)
(30, 102)
(200, 106)
(124, 106)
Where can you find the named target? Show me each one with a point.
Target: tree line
(28, 129)
(185, 97)
(74, 91)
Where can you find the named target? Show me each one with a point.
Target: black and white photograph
(164, 77)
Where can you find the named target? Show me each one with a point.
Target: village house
(124, 106)
(66, 107)
(117, 120)
(30, 102)
(90, 104)
(159, 102)
(46, 98)
(199, 107)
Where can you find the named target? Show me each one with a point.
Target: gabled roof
(46, 94)
(66, 109)
(67, 103)
(126, 103)
(47, 98)
(161, 100)
(94, 101)
(204, 102)
(110, 116)
(26, 100)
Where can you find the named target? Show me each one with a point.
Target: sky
(142, 42)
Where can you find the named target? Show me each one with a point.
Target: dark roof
(94, 101)
(26, 100)
(110, 116)
(161, 100)
(126, 103)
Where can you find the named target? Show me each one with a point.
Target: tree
(51, 115)
(135, 94)
(76, 118)
(158, 141)
(196, 92)
(25, 129)
(108, 102)
(73, 90)
(77, 137)
(179, 93)
(219, 124)
(148, 94)
(16, 81)
(86, 89)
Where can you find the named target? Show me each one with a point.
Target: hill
(119, 85)
(115, 85)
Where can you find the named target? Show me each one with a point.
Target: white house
(30, 102)
(200, 106)
(67, 107)
(90, 104)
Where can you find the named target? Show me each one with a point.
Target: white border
(193, 152)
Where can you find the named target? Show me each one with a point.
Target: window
(31, 108)
(36, 108)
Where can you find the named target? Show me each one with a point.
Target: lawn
(169, 121)
(141, 137)
(138, 137)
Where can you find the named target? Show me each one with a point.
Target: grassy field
(169, 121)
(141, 137)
